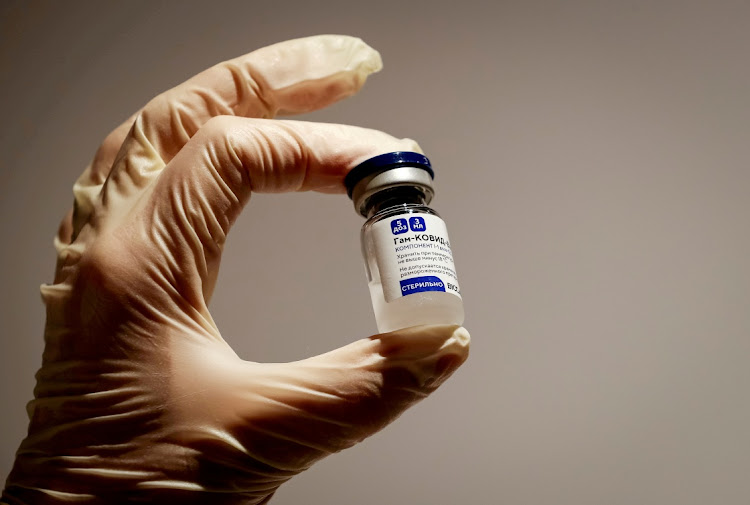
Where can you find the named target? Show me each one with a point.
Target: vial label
(414, 255)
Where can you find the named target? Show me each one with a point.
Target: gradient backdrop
(592, 165)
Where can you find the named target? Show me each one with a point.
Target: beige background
(592, 165)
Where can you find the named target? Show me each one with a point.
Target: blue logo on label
(419, 284)
(417, 224)
(399, 226)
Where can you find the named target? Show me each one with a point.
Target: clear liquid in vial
(429, 307)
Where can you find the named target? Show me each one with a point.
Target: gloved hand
(139, 399)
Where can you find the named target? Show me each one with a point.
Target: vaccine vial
(408, 257)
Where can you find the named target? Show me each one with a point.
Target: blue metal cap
(385, 162)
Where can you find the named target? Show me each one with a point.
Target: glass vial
(408, 258)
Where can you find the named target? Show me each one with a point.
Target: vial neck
(394, 197)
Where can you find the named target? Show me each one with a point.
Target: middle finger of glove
(286, 78)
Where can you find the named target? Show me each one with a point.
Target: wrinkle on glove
(291, 77)
(139, 398)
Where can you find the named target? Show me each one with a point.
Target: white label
(414, 255)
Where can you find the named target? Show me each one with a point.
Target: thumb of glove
(258, 424)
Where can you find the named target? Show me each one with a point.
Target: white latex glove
(139, 399)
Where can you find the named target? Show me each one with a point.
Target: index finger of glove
(203, 190)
